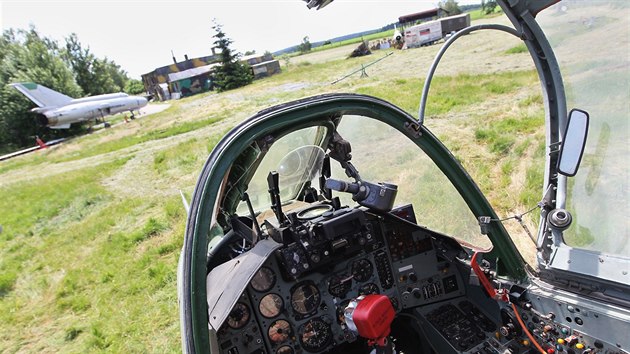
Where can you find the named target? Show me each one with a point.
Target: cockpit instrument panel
(297, 297)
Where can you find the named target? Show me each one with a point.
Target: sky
(140, 34)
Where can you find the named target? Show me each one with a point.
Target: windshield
(591, 42)
(296, 157)
(380, 153)
(383, 154)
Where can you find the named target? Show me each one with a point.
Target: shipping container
(423, 34)
(454, 23)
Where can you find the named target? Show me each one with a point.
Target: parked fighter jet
(58, 111)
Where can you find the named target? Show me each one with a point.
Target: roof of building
(418, 15)
(186, 74)
(182, 65)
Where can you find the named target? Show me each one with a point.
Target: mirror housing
(573, 143)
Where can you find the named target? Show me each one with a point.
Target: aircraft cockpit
(341, 224)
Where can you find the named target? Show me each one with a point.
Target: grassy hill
(92, 228)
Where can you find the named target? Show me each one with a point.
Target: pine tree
(231, 73)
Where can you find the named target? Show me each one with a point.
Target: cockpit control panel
(296, 301)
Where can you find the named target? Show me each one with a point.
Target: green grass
(449, 93)
(531, 194)
(479, 14)
(502, 135)
(128, 141)
(93, 260)
(521, 48)
(109, 146)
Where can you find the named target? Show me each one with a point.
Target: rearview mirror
(573, 143)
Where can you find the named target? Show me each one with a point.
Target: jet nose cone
(142, 101)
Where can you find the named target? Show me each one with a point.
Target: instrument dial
(362, 270)
(369, 288)
(239, 316)
(285, 349)
(279, 331)
(270, 305)
(315, 335)
(339, 285)
(264, 279)
(305, 298)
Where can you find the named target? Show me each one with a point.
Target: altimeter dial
(315, 335)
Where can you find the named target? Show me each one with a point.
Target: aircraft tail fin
(41, 95)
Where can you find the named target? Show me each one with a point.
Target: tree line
(70, 68)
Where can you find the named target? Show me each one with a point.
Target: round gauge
(305, 298)
(270, 305)
(239, 316)
(315, 335)
(264, 279)
(339, 285)
(313, 212)
(279, 331)
(285, 349)
(369, 288)
(361, 270)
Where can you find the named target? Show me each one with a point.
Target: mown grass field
(92, 228)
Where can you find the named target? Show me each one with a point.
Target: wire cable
(529, 335)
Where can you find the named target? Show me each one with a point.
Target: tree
(134, 87)
(95, 76)
(28, 57)
(305, 46)
(488, 6)
(450, 7)
(286, 59)
(231, 73)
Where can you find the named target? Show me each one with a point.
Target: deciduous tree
(305, 46)
(450, 7)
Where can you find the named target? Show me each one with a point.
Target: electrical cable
(529, 335)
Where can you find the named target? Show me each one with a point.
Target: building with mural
(192, 76)
(262, 65)
(161, 84)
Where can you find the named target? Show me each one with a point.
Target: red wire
(529, 335)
